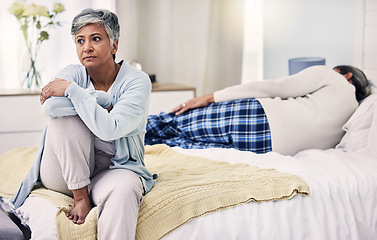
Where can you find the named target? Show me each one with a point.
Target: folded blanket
(187, 187)
(14, 166)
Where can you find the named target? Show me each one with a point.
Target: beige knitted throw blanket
(187, 187)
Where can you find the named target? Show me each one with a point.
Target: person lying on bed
(286, 115)
(93, 148)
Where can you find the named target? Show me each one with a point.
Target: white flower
(17, 9)
(58, 7)
(35, 10)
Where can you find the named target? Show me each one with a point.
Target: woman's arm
(126, 116)
(55, 105)
(305, 82)
(300, 84)
(197, 102)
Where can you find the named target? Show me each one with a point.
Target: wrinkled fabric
(240, 124)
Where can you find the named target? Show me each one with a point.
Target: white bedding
(342, 203)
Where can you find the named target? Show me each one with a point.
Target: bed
(340, 202)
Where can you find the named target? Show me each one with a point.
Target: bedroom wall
(366, 47)
(300, 28)
(292, 28)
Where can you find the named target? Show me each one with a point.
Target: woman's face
(93, 46)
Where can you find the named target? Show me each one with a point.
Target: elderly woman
(93, 146)
(286, 115)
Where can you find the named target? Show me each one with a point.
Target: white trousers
(70, 162)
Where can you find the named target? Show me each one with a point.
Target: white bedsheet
(341, 204)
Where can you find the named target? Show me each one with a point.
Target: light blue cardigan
(124, 124)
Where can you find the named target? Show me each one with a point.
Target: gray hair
(97, 16)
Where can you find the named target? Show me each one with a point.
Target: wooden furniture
(22, 120)
(166, 96)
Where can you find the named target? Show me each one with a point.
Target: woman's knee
(69, 123)
(128, 184)
(68, 127)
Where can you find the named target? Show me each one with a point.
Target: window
(252, 64)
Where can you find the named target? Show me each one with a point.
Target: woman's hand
(56, 87)
(110, 108)
(202, 101)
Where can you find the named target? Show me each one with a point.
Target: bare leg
(82, 206)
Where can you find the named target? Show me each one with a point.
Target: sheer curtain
(192, 42)
(252, 61)
(9, 48)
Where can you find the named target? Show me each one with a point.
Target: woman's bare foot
(82, 206)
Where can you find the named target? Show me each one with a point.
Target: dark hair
(359, 80)
(100, 16)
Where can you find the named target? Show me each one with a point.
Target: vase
(31, 72)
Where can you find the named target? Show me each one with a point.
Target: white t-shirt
(99, 144)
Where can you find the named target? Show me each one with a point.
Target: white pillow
(39, 215)
(361, 128)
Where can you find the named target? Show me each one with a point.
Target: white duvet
(342, 203)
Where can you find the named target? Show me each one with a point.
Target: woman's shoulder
(132, 83)
(72, 72)
(318, 70)
(130, 75)
(324, 74)
(74, 68)
(129, 71)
